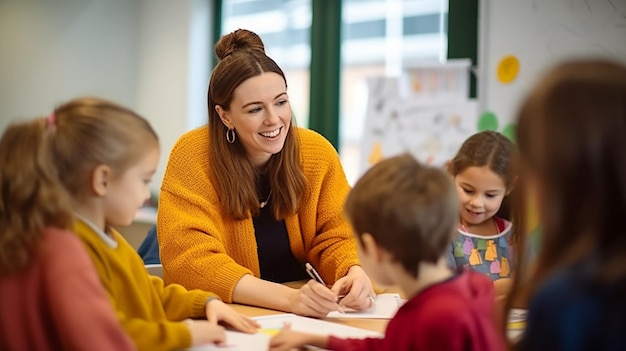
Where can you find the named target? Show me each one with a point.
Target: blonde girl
(107, 155)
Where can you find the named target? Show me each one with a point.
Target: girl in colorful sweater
(483, 175)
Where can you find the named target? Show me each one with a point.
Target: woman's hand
(289, 339)
(217, 311)
(357, 288)
(313, 299)
(203, 332)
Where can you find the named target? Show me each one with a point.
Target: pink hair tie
(51, 121)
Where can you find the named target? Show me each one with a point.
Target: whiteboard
(541, 33)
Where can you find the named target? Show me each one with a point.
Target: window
(284, 26)
(379, 38)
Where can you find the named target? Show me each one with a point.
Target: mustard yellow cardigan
(150, 312)
(203, 249)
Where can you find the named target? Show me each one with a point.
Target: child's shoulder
(573, 291)
(63, 251)
(464, 290)
(60, 243)
(451, 308)
(575, 285)
(60, 237)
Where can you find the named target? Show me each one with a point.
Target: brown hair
(31, 197)
(410, 209)
(89, 132)
(572, 139)
(242, 56)
(491, 149)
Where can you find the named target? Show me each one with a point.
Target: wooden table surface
(377, 325)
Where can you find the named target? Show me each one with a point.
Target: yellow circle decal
(508, 68)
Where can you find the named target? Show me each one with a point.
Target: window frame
(325, 69)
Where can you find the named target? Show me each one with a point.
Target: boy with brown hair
(404, 215)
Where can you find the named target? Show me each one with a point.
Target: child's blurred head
(572, 139)
(408, 209)
(484, 177)
(31, 196)
(98, 147)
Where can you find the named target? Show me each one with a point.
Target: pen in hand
(315, 276)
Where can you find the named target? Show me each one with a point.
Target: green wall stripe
(325, 69)
(216, 27)
(463, 34)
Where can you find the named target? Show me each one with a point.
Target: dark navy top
(573, 312)
(276, 261)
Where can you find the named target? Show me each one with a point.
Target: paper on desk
(385, 307)
(516, 324)
(271, 325)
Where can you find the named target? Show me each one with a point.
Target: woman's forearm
(257, 292)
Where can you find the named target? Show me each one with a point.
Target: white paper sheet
(271, 325)
(517, 324)
(385, 307)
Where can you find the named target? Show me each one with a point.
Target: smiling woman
(249, 199)
(259, 116)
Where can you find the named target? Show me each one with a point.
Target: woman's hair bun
(239, 40)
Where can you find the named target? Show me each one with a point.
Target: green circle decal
(488, 121)
(509, 132)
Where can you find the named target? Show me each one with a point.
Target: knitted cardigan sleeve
(191, 231)
(332, 245)
(180, 303)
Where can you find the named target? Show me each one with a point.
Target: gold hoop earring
(230, 135)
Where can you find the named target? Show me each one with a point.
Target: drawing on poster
(432, 132)
(425, 111)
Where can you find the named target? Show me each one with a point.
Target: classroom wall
(51, 51)
(173, 69)
(154, 55)
(539, 34)
(150, 55)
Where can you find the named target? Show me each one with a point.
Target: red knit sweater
(454, 315)
(58, 302)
